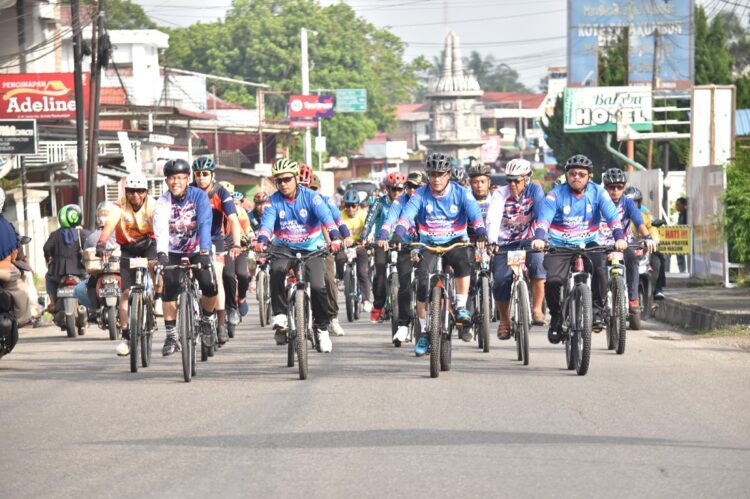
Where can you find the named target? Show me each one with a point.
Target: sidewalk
(690, 305)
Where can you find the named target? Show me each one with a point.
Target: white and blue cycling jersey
(296, 223)
(336, 215)
(572, 219)
(629, 214)
(443, 218)
(391, 218)
(183, 226)
(509, 219)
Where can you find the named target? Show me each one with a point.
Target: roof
(742, 121)
(405, 112)
(528, 101)
(214, 102)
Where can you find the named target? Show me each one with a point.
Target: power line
(480, 19)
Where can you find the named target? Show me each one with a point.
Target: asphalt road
(667, 419)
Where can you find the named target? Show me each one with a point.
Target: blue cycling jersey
(573, 219)
(296, 223)
(443, 218)
(394, 212)
(629, 213)
(336, 215)
(509, 219)
(183, 226)
(376, 216)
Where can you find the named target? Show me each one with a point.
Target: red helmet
(395, 179)
(260, 197)
(305, 174)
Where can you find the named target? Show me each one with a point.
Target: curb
(692, 316)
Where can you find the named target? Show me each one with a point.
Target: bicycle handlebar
(440, 249)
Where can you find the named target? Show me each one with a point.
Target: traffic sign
(351, 100)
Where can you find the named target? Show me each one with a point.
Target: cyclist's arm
(394, 210)
(323, 212)
(408, 213)
(204, 218)
(372, 215)
(473, 213)
(546, 214)
(162, 213)
(338, 219)
(110, 224)
(267, 223)
(495, 217)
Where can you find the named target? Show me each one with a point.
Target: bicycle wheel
(611, 320)
(523, 320)
(135, 326)
(185, 327)
(290, 346)
(582, 329)
(485, 312)
(300, 340)
(349, 293)
(571, 317)
(393, 292)
(112, 322)
(619, 314)
(147, 334)
(260, 286)
(436, 330)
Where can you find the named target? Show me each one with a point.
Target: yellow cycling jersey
(355, 223)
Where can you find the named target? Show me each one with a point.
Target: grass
(739, 330)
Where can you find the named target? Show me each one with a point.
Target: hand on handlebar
(259, 247)
(620, 245)
(538, 244)
(650, 245)
(383, 245)
(348, 242)
(234, 251)
(336, 245)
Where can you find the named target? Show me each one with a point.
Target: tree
(737, 207)
(713, 62)
(259, 41)
(124, 14)
(493, 77)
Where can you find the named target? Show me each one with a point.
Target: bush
(737, 208)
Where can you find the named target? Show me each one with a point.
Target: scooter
(108, 290)
(70, 316)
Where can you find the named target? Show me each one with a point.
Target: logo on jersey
(303, 213)
(454, 208)
(566, 210)
(317, 200)
(282, 214)
(428, 208)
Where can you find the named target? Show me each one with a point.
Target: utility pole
(306, 90)
(91, 198)
(78, 87)
(216, 128)
(259, 105)
(21, 28)
(649, 159)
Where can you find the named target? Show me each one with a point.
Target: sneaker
(598, 323)
(244, 308)
(253, 287)
(336, 329)
(367, 306)
(401, 333)
(233, 316)
(279, 329)
(658, 295)
(158, 309)
(324, 341)
(463, 316)
(553, 335)
(422, 346)
(123, 348)
(171, 345)
(467, 333)
(634, 306)
(221, 334)
(375, 314)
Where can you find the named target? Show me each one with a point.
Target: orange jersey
(129, 225)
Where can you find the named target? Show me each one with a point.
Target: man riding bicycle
(510, 220)
(296, 217)
(237, 271)
(354, 218)
(182, 226)
(442, 210)
(570, 216)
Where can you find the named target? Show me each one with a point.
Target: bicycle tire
(571, 315)
(611, 320)
(634, 321)
(147, 335)
(260, 286)
(523, 321)
(582, 352)
(393, 292)
(349, 294)
(620, 313)
(436, 330)
(484, 320)
(300, 340)
(134, 326)
(185, 328)
(112, 322)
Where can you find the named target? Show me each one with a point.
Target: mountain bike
(141, 317)
(616, 308)
(482, 297)
(352, 293)
(391, 286)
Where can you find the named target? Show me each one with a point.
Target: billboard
(595, 109)
(40, 96)
(310, 106)
(18, 137)
(594, 23)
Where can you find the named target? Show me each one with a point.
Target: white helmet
(2, 199)
(136, 180)
(517, 168)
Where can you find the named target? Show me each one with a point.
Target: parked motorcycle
(70, 316)
(108, 289)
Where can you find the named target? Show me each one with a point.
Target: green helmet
(70, 215)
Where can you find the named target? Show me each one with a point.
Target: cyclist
(404, 263)
(354, 218)
(132, 222)
(296, 217)
(394, 183)
(614, 181)
(222, 206)
(570, 216)
(510, 221)
(259, 203)
(182, 227)
(237, 275)
(656, 259)
(458, 172)
(442, 210)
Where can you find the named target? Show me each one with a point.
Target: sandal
(538, 320)
(503, 331)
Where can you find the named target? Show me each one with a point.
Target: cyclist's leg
(242, 271)
(332, 290)
(229, 283)
(404, 266)
(216, 303)
(460, 260)
(661, 276)
(363, 273)
(426, 266)
(278, 269)
(340, 261)
(171, 288)
(379, 284)
(537, 275)
(316, 276)
(207, 281)
(598, 285)
(502, 281)
(655, 259)
(556, 267)
(631, 273)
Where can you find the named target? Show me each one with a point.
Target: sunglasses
(437, 174)
(572, 174)
(398, 189)
(514, 180)
(201, 173)
(350, 205)
(615, 187)
(283, 180)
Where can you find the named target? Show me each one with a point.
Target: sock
(126, 334)
(423, 323)
(221, 314)
(461, 300)
(171, 327)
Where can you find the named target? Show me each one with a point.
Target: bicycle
(352, 293)
(299, 313)
(391, 285)
(616, 308)
(482, 297)
(439, 310)
(189, 314)
(263, 290)
(141, 316)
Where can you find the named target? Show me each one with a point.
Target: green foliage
(613, 63)
(493, 76)
(259, 41)
(124, 14)
(713, 62)
(737, 208)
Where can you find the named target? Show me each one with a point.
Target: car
(498, 179)
(364, 186)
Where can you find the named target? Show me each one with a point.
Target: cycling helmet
(395, 180)
(614, 176)
(438, 162)
(284, 165)
(136, 181)
(458, 173)
(204, 164)
(228, 186)
(2, 199)
(260, 197)
(175, 166)
(477, 169)
(517, 168)
(633, 193)
(579, 161)
(351, 197)
(305, 175)
(238, 195)
(70, 215)
(315, 184)
(417, 179)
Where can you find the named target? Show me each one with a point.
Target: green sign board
(351, 100)
(597, 109)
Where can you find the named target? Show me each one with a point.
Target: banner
(595, 109)
(310, 106)
(674, 239)
(17, 137)
(40, 96)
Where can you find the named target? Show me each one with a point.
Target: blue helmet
(351, 197)
(204, 164)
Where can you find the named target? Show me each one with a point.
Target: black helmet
(579, 161)
(614, 176)
(438, 162)
(477, 169)
(633, 193)
(458, 172)
(175, 166)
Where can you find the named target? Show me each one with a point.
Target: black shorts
(134, 251)
(206, 278)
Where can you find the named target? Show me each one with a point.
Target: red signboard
(310, 106)
(41, 96)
